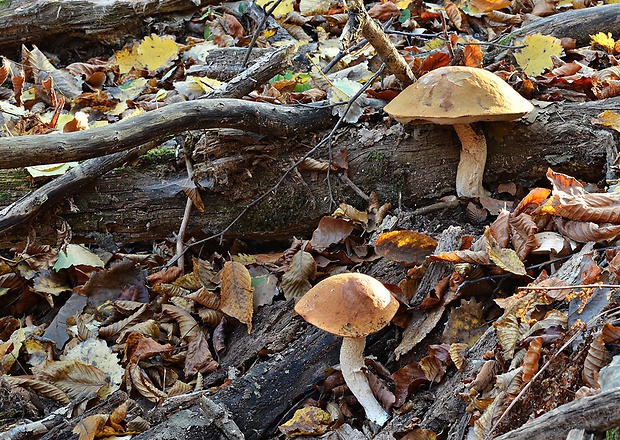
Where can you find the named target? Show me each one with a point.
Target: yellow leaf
(535, 57)
(608, 118)
(307, 421)
(506, 259)
(282, 10)
(152, 53)
(606, 42)
(237, 293)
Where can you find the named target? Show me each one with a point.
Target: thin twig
(187, 212)
(257, 32)
(275, 187)
(578, 286)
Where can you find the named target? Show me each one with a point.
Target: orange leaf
(532, 356)
(407, 247)
(473, 55)
(490, 5)
(237, 293)
(433, 61)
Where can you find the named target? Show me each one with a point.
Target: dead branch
(159, 125)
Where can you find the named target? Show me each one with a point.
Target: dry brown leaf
(433, 61)
(406, 246)
(73, 377)
(406, 379)
(597, 358)
(571, 201)
(532, 201)
(237, 293)
(330, 231)
(206, 298)
(584, 232)
(466, 323)
(610, 332)
(296, 281)
(188, 327)
(419, 433)
(508, 334)
(458, 19)
(506, 259)
(503, 17)
(500, 228)
(485, 376)
(490, 5)
(39, 387)
(164, 276)
(90, 427)
(532, 356)
(384, 11)
(210, 316)
(199, 358)
(235, 28)
(523, 235)
(457, 352)
(139, 347)
(352, 213)
(465, 256)
(614, 265)
(138, 380)
(475, 214)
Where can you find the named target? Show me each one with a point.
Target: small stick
(578, 286)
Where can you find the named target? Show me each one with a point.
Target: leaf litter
(153, 336)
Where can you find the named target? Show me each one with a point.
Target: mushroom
(351, 305)
(461, 96)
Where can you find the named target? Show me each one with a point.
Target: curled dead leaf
(530, 362)
(296, 280)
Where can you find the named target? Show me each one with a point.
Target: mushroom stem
(473, 159)
(351, 364)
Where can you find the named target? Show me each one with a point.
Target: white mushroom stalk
(473, 159)
(351, 365)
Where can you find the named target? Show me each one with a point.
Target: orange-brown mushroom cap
(458, 95)
(352, 305)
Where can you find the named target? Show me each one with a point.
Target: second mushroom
(461, 96)
(351, 305)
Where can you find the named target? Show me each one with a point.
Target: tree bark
(413, 165)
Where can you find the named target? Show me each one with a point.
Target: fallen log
(413, 165)
(82, 21)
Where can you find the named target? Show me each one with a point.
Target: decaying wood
(107, 21)
(594, 413)
(415, 165)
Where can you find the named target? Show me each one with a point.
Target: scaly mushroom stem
(351, 364)
(473, 159)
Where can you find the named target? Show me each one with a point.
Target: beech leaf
(237, 293)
